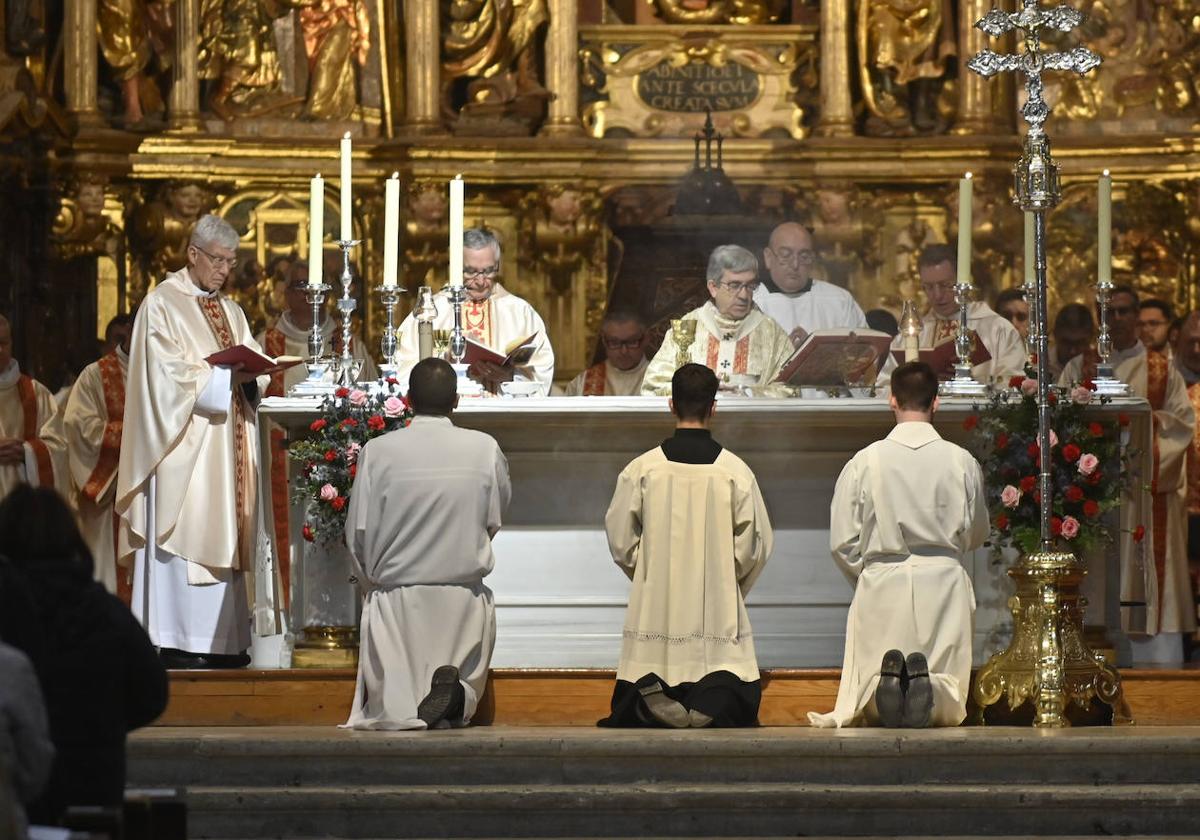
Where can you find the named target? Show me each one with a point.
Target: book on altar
(517, 353)
(943, 355)
(251, 361)
(830, 358)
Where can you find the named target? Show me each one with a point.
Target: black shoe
(662, 708)
(889, 699)
(176, 660)
(918, 700)
(445, 695)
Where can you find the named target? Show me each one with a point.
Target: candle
(391, 229)
(1104, 230)
(347, 225)
(1029, 255)
(456, 231)
(316, 229)
(910, 327)
(964, 230)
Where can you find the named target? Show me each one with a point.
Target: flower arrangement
(329, 454)
(1089, 470)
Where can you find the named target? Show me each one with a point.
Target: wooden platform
(568, 698)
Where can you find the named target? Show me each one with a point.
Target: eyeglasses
(627, 344)
(1152, 324)
(787, 255)
(490, 271)
(738, 288)
(229, 262)
(938, 287)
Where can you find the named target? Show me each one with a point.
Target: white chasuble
(905, 512)
(187, 481)
(424, 507)
(605, 380)
(497, 322)
(692, 538)
(1000, 338)
(750, 351)
(28, 413)
(823, 306)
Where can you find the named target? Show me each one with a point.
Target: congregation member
(92, 422)
(1158, 630)
(799, 302)
(906, 511)
(1154, 325)
(26, 751)
(733, 337)
(688, 526)
(1012, 307)
(187, 480)
(623, 335)
(491, 315)
(426, 502)
(1072, 335)
(31, 446)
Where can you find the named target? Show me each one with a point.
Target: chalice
(683, 332)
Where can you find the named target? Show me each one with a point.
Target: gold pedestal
(1048, 661)
(326, 647)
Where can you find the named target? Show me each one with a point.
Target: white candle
(456, 231)
(964, 229)
(391, 229)
(347, 223)
(316, 229)
(1104, 230)
(1029, 255)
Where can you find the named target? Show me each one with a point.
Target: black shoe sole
(889, 699)
(441, 695)
(918, 700)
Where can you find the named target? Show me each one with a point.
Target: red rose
(1028, 483)
(971, 422)
(353, 470)
(376, 423)
(1095, 478)
(1002, 441)
(1055, 526)
(1052, 397)
(1123, 419)
(1091, 508)
(1037, 497)
(1033, 450)
(1096, 430)
(1002, 522)
(1139, 533)
(308, 533)
(1089, 384)
(1015, 382)
(338, 503)
(1074, 493)
(1071, 453)
(391, 380)
(330, 455)
(349, 423)
(318, 424)
(342, 392)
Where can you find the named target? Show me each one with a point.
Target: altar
(560, 600)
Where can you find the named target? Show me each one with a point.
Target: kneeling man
(688, 526)
(905, 511)
(426, 502)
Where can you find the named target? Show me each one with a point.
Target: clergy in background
(623, 335)
(1157, 631)
(688, 525)
(187, 480)
(733, 337)
(491, 315)
(800, 303)
(906, 510)
(426, 502)
(1187, 360)
(1072, 335)
(32, 449)
(92, 422)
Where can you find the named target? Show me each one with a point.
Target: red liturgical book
(829, 358)
(251, 361)
(519, 353)
(943, 357)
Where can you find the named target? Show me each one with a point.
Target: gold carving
(845, 234)
(159, 231)
(81, 228)
(337, 36)
(425, 234)
(237, 52)
(740, 12)
(562, 232)
(137, 39)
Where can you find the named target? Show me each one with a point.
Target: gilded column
(80, 77)
(185, 89)
(837, 114)
(562, 69)
(423, 66)
(974, 91)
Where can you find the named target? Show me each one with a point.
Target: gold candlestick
(683, 332)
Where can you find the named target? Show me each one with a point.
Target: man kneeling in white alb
(424, 507)
(905, 512)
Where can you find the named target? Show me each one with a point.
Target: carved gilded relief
(736, 12)
(137, 40)
(159, 229)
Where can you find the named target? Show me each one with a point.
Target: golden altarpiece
(572, 121)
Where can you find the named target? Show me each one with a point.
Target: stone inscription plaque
(695, 86)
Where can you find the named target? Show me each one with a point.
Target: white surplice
(603, 379)
(693, 538)
(425, 504)
(823, 306)
(28, 412)
(497, 323)
(748, 351)
(905, 511)
(187, 496)
(1000, 338)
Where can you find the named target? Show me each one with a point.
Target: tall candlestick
(1029, 257)
(456, 231)
(391, 229)
(1104, 230)
(316, 229)
(347, 225)
(964, 229)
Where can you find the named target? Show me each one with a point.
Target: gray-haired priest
(491, 315)
(187, 480)
(733, 337)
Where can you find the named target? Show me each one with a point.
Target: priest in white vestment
(187, 491)
(426, 502)
(1162, 582)
(800, 303)
(623, 335)
(733, 337)
(32, 449)
(491, 315)
(906, 510)
(688, 526)
(92, 422)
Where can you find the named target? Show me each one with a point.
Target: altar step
(301, 782)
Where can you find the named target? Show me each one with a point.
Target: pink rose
(1088, 463)
(393, 406)
(1029, 387)
(358, 397)
(329, 492)
(1010, 496)
(1070, 527)
(1081, 395)
(352, 451)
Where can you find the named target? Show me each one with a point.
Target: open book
(252, 361)
(943, 356)
(830, 358)
(517, 353)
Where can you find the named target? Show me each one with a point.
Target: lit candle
(964, 230)
(316, 229)
(456, 231)
(910, 326)
(391, 229)
(1104, 230)
(1029, 255)
(347, 225)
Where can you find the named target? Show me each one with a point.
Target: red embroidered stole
(1157, 369)
(477, 321)
(741, 356)
(32, 430)
(275, 345)
(110, 444)
(595, 380)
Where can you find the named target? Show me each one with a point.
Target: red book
(251, 361)
(519, 354)
(943, 357)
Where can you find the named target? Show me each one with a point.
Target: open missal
(251, 361)
(943, 356)
(831, 358)
(518, 353)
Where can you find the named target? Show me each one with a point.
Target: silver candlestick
(963, 384)
(389, 295)
(347, 366)
(318, 363)
(458, 341)
(1106, 381)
